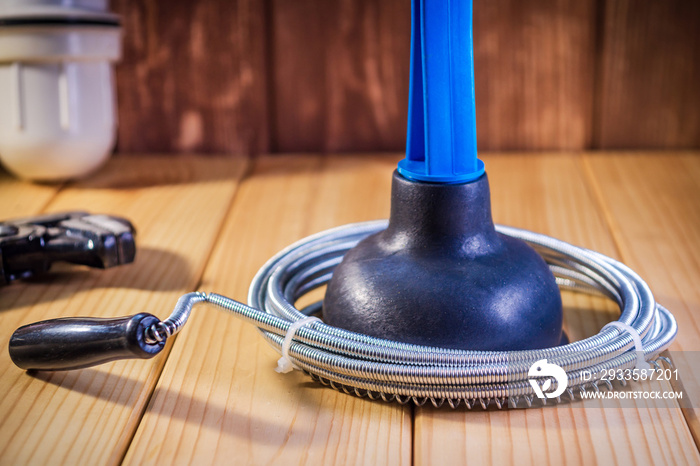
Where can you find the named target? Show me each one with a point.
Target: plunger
(440, 274)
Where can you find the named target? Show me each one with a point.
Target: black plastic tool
(29, 246)
(74, 343)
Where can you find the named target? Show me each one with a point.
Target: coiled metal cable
(392, 371)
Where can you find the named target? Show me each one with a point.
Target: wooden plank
(649, 72)
(547, 193)
(22, 198)
(534, 74)
(298, 75)
(219, 397)
(334, 75)
(89, 416)
(340, 74)
(652, 204)
(193, 77)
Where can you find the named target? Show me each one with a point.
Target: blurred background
(246, 77)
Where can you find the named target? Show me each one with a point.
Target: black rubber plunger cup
(440, 274)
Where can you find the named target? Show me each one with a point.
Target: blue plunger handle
(441, 142)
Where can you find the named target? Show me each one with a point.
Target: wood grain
(550, 195)
(246, 76)
(219, 399)
(193, 77)
(341, 74)
(89, 416)
(653, 205)
(534, 79)
(22, 199)
(649, 72)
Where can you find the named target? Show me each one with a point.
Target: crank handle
(79, 342)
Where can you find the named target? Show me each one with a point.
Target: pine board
(216, 398)
(22, 199)
(219, 399)
(652, 202)
(549, 194)
(89, 416)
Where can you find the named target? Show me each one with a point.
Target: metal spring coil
(393, 371)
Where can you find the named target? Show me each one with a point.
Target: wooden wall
(255, 76)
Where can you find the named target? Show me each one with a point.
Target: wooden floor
(213, 396)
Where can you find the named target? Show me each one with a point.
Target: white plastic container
(57, 91)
